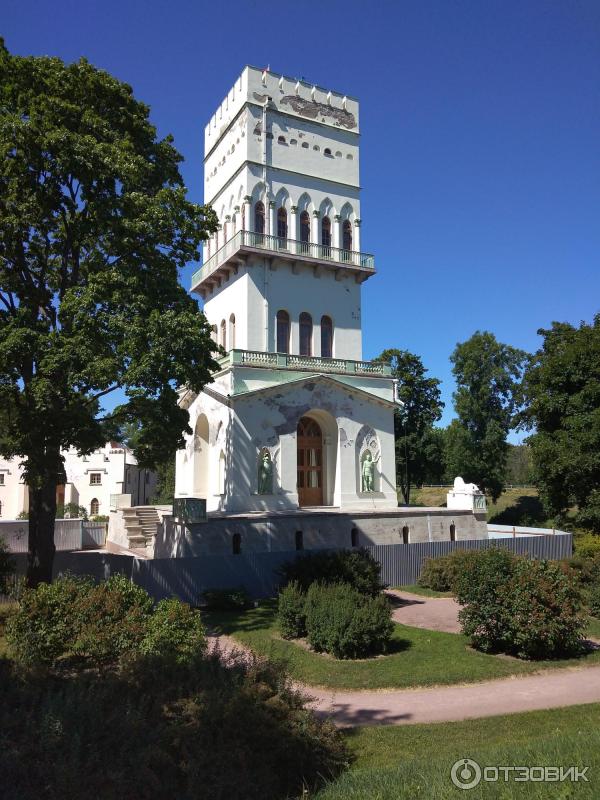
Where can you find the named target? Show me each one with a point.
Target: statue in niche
(265, 473)
(368, 472)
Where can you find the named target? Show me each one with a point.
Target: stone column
(227, 228)
(293, 229)
(272, 230)
(314, 234)
(236, 220)
(337, 239)
(246, 212)
(356, 239)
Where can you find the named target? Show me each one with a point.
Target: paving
(434, 613)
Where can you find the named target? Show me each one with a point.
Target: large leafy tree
(488, 375)
(418, 451)
(562, 391)
(94, 227)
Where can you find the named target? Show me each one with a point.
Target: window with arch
(326, 233)
(236, 544)
(305, 145)
(94, 507)
(405, 534)
(281, 140)
(349, 156)
(283, 332)
(282, 226)
(347, 239)
(223, 341)
(316, 147)
(259, 218)
(338, 153)
(306, 330)
(327, 152)
(354, 537)
(326, 337)
(293, 141)
(304, 231)
(232, 331)
(452, 532)
(299, 540)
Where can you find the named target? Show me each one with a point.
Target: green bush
(587, 570)
(587, 545)
(357, 568)
(594, 601)
(291, 616)
(71, 511)
(343, 622)
(232, 599)
(47, 623)
(441, 573)
(521, 606)
(174, 632)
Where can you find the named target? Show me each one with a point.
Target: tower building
(294, 418)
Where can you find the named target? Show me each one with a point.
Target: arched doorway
(201, 457)
(310, 463)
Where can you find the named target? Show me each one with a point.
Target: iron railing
(258, 358)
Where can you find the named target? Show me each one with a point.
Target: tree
(417, 453)
(488, 375)
(562, 391)
(94, 227)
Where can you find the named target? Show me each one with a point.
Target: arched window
(223, 341)
(305, 145)
(259, 218)
(347, 235)
(283, 332)
(453, 532)
(326, 235)
(299, 540)
(293, 141)
(236, 544)
(232, 331)
(305, 334)
(405, 534)
(354, 537)
(281, 139)
(326, 337)
(282, 228)
(94, 507)
(304, 232)
(327, 152)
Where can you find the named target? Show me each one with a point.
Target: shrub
(587, 570)
(71, 511)
(519, 605)
(233, 599)
(441, 573)
(357, 568)
(174, 632)
(46, 624)
(594, 601)
(587, 546)
(291, 616)
(341, 621)
(99, 518)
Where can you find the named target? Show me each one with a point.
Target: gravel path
(434, 613)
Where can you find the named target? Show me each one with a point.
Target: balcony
(257, 358)
(234, 252)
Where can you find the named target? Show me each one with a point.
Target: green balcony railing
(288, 247)
(259, 358)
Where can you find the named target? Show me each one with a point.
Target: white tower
(294, 413)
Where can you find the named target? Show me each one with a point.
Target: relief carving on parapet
(312, 110)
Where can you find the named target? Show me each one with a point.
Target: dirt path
(550, 689)
(434, 613)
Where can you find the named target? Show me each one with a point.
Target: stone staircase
(141, 524)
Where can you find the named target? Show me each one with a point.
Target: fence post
(514, 532)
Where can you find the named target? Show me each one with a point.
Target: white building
(91, 481)
(295, 417)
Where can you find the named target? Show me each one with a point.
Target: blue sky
(480, 121)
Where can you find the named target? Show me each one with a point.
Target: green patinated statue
(368, 472)
(265, 473)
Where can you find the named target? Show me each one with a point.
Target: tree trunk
(42, 512)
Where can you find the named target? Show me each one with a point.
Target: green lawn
(418, 657)
(593, 628)
(414, 588)
(410, 762)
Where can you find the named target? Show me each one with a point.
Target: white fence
(513, 531)
(69, 534)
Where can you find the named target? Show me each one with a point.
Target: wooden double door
(310, 463)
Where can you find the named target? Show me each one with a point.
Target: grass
(418, 657)
(414, 588)
(6, 609)
(414, 761)
(593, 628)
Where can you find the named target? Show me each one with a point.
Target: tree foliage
(94, 227)
(562, 389)
(419, 447)
(488, 375)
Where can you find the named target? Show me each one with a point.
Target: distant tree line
(553, 395)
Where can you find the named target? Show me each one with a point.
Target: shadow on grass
(252, 619)
(526, 510)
